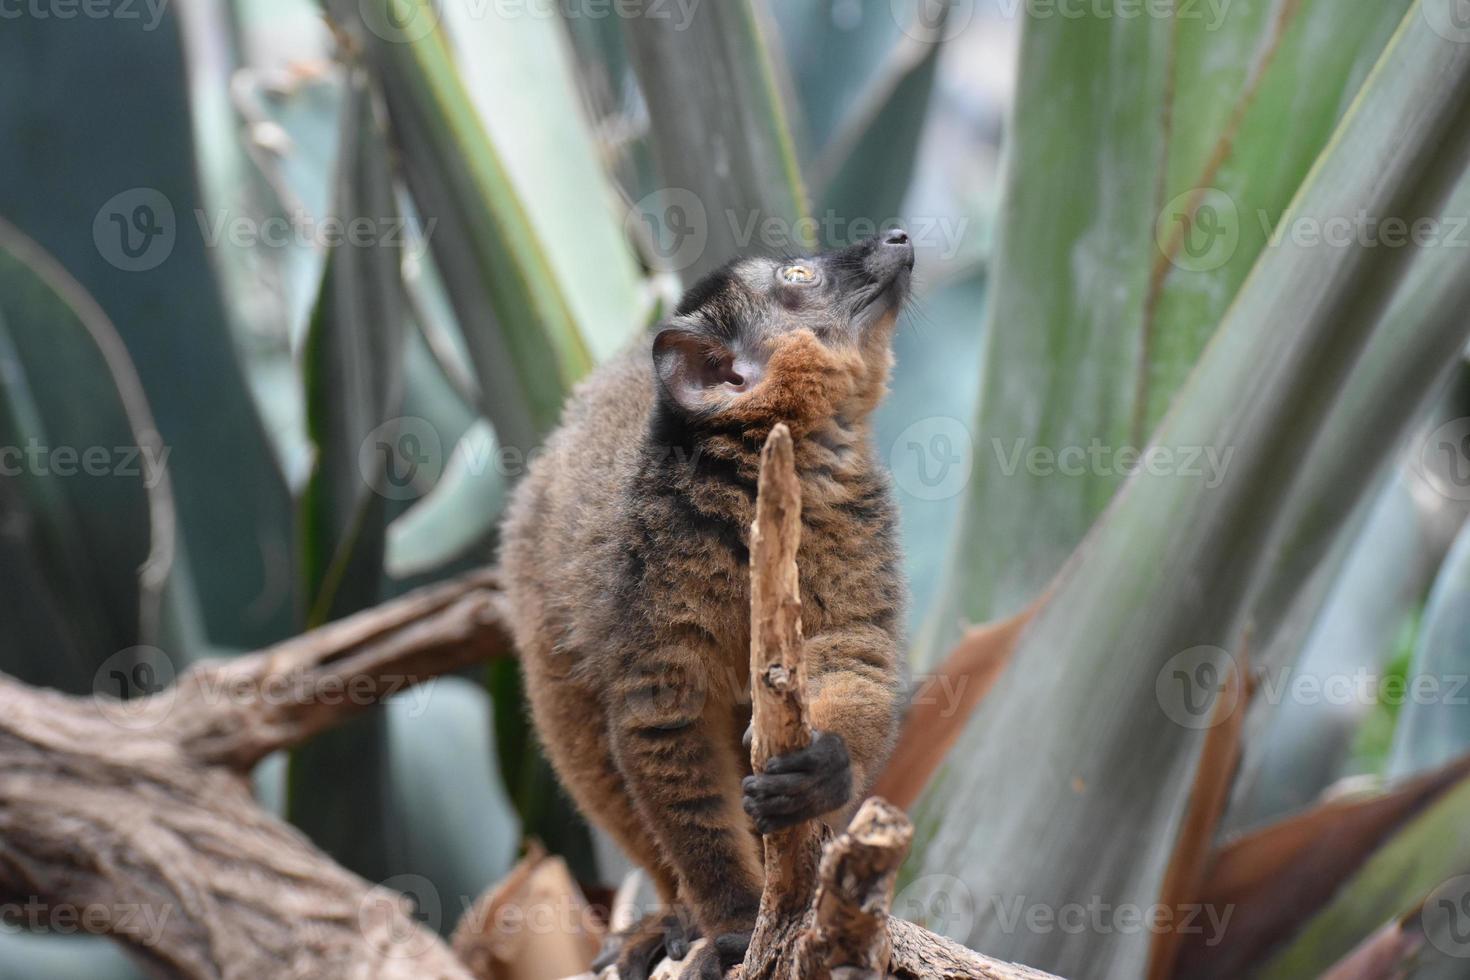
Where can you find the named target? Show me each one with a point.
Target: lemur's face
(787, 340)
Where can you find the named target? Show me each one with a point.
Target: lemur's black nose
(897, 248)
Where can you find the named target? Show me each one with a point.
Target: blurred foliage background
(310, 285)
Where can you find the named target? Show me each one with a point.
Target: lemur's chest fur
(690, 517)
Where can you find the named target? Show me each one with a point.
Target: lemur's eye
(799, 274)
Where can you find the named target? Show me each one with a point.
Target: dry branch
(816, 925)
(778, 671)
(139, 818)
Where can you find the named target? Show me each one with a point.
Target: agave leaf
(865, 170)
(1160, 589)
(732, 183)
(1219, 759)
(353, 371)
(1434, 724)
(87, 490)
(1274, 877)
(515, 311)
(943, 703)
(1415, 874)
(1377, 592)
(1093, 326)
(863, 75)
(233, 508)
(1244, 129)
(519, 74)
(265, 150)
(268, 159)
(354, 390)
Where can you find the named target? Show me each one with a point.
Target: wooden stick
(838, 928)
(777, 668)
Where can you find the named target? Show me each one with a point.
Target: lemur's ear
(692, 366)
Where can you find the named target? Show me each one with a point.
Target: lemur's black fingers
(827, 751)
(799, 786)
(718, 956)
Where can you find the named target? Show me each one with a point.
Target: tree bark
(135, 819)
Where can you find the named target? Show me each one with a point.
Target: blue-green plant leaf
(721, 138)
(1098, 722)
(1123, 128)
(233, 508)
(519, 75)
(354, 390)
(1434, 723)
(87, 492)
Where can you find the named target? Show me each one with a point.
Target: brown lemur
(627, 567)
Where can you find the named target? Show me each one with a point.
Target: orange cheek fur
(806, 384)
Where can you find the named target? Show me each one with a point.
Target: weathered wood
(778, 670)
(833, 922)
(140, 824)
(854, 894)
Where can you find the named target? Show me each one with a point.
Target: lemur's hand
(801, 785)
